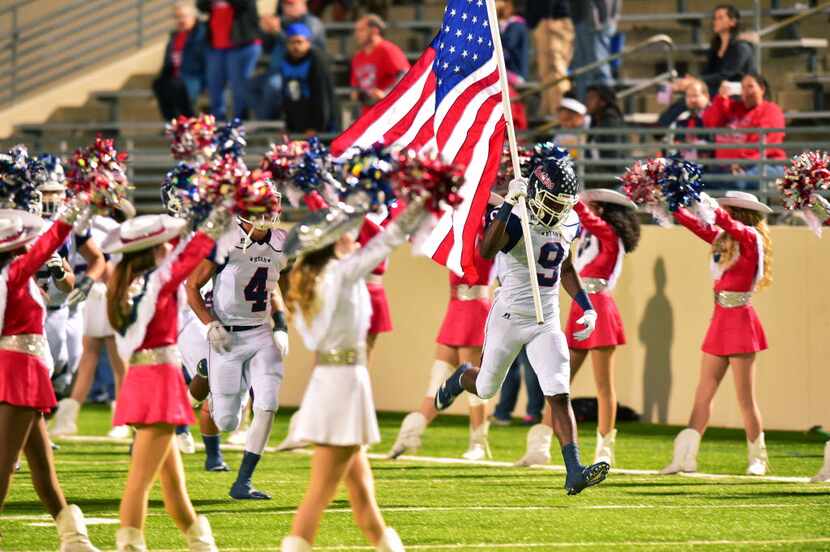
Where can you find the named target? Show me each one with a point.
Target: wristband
(279, 321)
(503, 214)
(583, 300)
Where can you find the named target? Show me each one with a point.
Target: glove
(708, 201)
(83, 222)
(515, 190)
(55, 267)
(281, 341)
(589, 320)
(80, 292)
(218, 337)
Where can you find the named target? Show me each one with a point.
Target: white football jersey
(242, 287)
(550, 249)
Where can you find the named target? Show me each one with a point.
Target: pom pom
(54, 168)
(230, 139)
(808, 173)
(300, 168)
(641, 183)
(20, 176)
(182, 195)
(219, 177)
(680, 183)
(368, 173)
(100, 171)
(544, 151)
(418, 173)
(192, 139)
(256, 197)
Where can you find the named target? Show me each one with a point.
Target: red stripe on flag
(455, 113)
(404, 124)
(465, 152)
(423, 135)
(359, 127)
(443, 252)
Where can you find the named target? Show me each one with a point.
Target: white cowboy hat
(17, 228)
(142, 232)
(743, 200)
(606, 195)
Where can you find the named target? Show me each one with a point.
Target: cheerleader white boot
(66, 418)
(479, 447)
(758, 460)
(295, 544)
(72, 530)
(824, 473)
(539, 439)
(605, 447)
(118, 432)
(200, 537)
(409, 436)
(288, 443)
(186, 443)
(686, 445)
(130, 539)
(390, 542)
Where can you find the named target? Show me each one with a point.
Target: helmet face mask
(51, 201)
(552, 193)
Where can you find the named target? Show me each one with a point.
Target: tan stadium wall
(665, 297)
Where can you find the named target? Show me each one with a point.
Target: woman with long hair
(142, 306)
(331, 309)
(741, 265)
(26, 392)
(611, 230)
(459, 341)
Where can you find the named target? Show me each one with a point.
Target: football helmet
(52, 186)
(552, 191)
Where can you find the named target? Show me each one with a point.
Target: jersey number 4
(257, 290)
(550, 257)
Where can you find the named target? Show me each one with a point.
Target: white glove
(709, 201)
(589, 321)
(515, 190)
(281, 341)
(218, 337)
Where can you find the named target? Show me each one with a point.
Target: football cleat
(588, 477)
(450, 389)
(244, 491)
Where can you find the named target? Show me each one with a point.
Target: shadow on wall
(656, 333)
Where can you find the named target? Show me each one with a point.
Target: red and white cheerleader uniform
(467, 309)
(599, 260)
(24, 351)
(374, 224)
(735, 328)
(154, 391)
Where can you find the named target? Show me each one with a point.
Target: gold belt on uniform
(594, 285)
(464, 292)
(159, 355)
(374, 279)
(342, 357)
(732, 299)
(30, 344)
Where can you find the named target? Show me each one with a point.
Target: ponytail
(302, 282)
(119, 303)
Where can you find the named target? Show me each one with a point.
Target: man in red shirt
(378, 65)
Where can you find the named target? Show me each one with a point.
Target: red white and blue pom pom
(807, 174)
(680, 183)
(255, 196)
(641, 183)
(301, 169)
(192, 139)
(100, 171)
(368, 174)
(230, 139)
(544, 151)
(219, 177)
(20, 176)
(426, 172)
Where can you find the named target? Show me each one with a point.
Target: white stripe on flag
(397, 111)
(451, 97)
(468, 118)
(426, 111)
(473, 175)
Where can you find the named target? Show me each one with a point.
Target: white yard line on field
(490, 463)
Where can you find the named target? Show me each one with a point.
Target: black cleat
(588, 477)
(244, 491)
(450, 389)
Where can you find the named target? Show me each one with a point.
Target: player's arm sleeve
(514, 233)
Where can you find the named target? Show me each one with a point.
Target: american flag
(449, 101)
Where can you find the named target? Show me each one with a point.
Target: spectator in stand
(378, 65)
(753, 109)
(182, 76)
(729, 57)
(595, 24)
(308, 94)
(266, 89)
(553, 34)
(233, 29)
(573, 118)
(601, 101)
(688, 114)
(515, 41)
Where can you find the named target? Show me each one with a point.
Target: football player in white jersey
(246, 348)
(511, 324)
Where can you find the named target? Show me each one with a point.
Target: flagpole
(514, 156)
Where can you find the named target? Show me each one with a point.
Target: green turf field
(453, 507)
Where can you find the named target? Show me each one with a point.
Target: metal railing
(72, 38)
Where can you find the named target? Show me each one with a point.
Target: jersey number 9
(257, 290)
(550, 257)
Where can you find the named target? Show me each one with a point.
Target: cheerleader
(741, 265)
(332, 310)
(25, 389)
(459, 341)
(142, 305)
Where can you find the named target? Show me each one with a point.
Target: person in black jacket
(308, 92)
(234, 48)
(729, 57)
(601, 101)
(182, 76)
